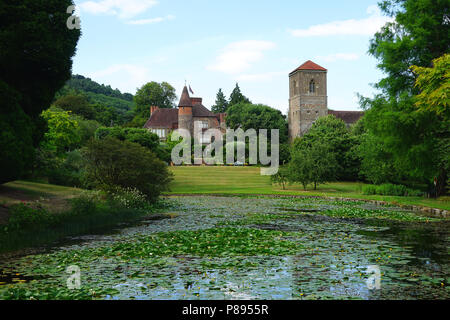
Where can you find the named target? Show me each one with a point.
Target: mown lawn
(248, 181)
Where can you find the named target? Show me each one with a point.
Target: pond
(247, 248)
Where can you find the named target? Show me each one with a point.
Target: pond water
(248, 248)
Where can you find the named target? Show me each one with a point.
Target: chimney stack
(153, 109)
(196, 101)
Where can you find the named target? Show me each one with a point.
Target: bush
(23, 217)
(129, 198)
(111, 163)
(389, 189)
(68, 172)
(369, 190)
(85, 204)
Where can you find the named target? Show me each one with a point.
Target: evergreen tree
(36, 50)
(237, 97)
(221, 105)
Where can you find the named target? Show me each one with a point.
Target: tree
(312, 164)
(153, 93)
(419, 34)
(237, 97)
(221, 103)
(63, 134)
(434, 86)
(78, 104)
(413, 140)
(16, 136)
(112, 163)
(36, 50)
(376, 163)
(257, 116)
(334, 132)
(281, 177)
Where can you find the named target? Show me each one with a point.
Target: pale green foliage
(434, 84)
(62, 132)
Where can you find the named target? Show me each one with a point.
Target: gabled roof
(348, 117)
(200, 110)
(309, 65)
(162, 118)
(185, 100)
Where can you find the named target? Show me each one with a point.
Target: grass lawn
(18, 191)
(53, 198)
(248, 181)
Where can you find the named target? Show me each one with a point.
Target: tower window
(312, 87)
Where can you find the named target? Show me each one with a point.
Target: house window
(312, 87)
(160, 132)
(205, 125)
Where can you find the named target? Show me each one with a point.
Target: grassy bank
(35, 214)
(248, 181)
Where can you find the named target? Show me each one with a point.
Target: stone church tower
(307, 98)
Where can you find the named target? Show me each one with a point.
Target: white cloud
(239, 56)
(152, 20)
(126, 77)
(124, 9)
(368, 26)
(258, 77)
(338, 57)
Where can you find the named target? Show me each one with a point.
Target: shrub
(69, 171)
(127, 198)
(85, 204)
(391, 190)
(369, 190)
(111, 163)
(24, 217)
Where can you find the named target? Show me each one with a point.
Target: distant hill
(98, 93)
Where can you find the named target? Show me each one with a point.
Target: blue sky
(214, 44)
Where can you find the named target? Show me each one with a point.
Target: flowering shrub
(128, 198)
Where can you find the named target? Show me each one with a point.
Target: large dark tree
(36, 50)
(419, 34)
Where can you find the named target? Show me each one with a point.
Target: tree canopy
(257, 116)
(411, 140)
(150, 94)
(36, 50)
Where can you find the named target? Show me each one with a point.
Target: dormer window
(312, 87)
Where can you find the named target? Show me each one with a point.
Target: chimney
(196, 101)
(153, 109)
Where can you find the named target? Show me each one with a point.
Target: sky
(213, 44)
